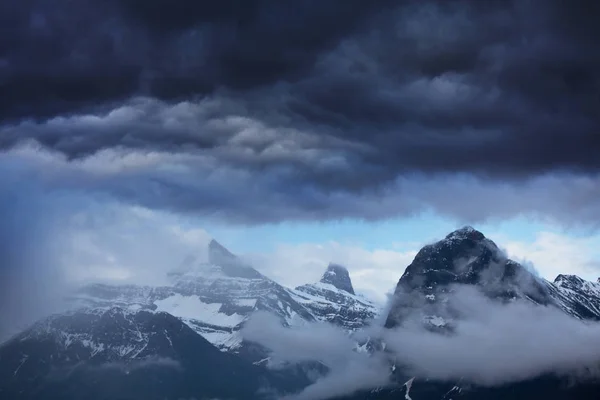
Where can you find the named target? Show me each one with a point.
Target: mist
(54, 240)
(490, 344)
(30, 273)
(322, 342)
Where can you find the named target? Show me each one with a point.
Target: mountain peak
(464, 257)
(339, 277)
(218, 254)
(565, 279)
(466, 232)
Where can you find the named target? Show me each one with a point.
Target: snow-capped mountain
(467, 257)
(126, 334)
(172, 341)
(333, 300)
(115, 353)
(214, 298)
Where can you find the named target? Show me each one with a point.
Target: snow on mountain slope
(576, 296)
(332, 299)
(214, 298)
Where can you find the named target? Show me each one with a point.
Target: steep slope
(333, 300)
(576, 296)
(119, 354)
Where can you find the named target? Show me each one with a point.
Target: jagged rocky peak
(568, 280)
(339, 277)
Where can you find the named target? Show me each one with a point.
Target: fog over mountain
(279, 186)
(468, 324)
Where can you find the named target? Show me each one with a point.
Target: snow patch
(435, 320)
(408, 385)
(191, 307)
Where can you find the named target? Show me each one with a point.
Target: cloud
(101, 52)
(315, 123)
(349, 371)
(491, 343)
(552, 253)
(210, 185)
(498, 343)
(53, 239)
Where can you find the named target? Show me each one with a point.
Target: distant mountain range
(183, 341)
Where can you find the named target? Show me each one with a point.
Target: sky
(295, 133)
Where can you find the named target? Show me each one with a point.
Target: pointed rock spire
(218, 254)
(339, 277)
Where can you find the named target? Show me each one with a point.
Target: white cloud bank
(492, 344)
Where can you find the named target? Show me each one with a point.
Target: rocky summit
(339, 277)
(332, 299)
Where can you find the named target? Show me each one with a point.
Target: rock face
(338, 276)
(332, 299)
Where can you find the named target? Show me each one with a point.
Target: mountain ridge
(132, 324)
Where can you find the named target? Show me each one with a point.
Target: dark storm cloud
(61, 56)
(316, 109)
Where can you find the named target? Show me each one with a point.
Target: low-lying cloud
(491, 343)
(325, 343)
(497, 343)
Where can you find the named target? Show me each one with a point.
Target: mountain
(182, 340)
(121, 354)
(182, 337)
(467, 257)
(333, 300)
(213, 297)
(464, 256)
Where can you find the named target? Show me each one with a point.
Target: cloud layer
(492, 344)
(265, 111)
